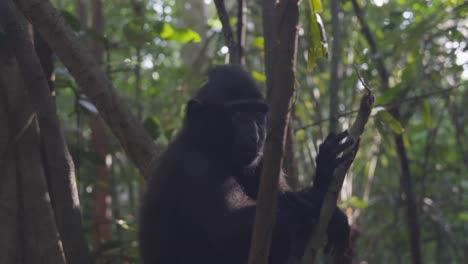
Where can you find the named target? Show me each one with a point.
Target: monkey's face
(248, 132)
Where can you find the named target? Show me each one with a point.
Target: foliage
(423, 46)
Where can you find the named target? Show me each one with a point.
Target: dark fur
(200, 203)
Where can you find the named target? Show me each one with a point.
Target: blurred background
(409, 181)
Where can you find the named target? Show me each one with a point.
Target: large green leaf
(389, 121)
(388, 96)
(318, 45)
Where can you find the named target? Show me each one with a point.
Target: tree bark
(227, 32)
(100, 145)
(39, 239)
(58, 166)
(290, 159)
(334, 65)
(241, 29)
(9, 220)
(100, 91)
(282, 75)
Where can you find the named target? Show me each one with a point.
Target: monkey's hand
(328, 158)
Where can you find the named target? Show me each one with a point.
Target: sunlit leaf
(258, 42)
(316, 5)
(122, 224)
(184, 35)
(300, 135)
(318, 45)
(357, 202)
(463, 216)
(259, 76)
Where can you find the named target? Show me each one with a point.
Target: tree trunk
(283, 38)
(56, 164)
(99, 142)
(132, 136)
(37, 233)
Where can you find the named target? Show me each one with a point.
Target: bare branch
(281, 87)
(339, 174)
(227, 32)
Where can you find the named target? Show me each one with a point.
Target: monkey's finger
(348, 158)
(342, 147)
(342, 135)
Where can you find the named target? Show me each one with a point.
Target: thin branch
(339, 174)
(378, 58)
(227, 32)
(281, 86)
(241, 29)
(389, 105)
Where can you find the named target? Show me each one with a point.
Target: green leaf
(71, 20)
(358, 202)
(387, 119)
(388, 96)
(463, 216)
(258, 42)
(122, 224)
(259, 76)
(153, 126)
(426, 113)
(316, 5)
(383, 133)
(184, 35)
(318, 46)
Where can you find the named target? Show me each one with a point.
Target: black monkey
(200, 203)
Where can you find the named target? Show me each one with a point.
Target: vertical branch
(27, 99)
(99, 141)
(282, 79)
(290, 160)
(58, 165)
(241, 29)
(138, 8)
(335, 62)
(227, 32)
(329, 202)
